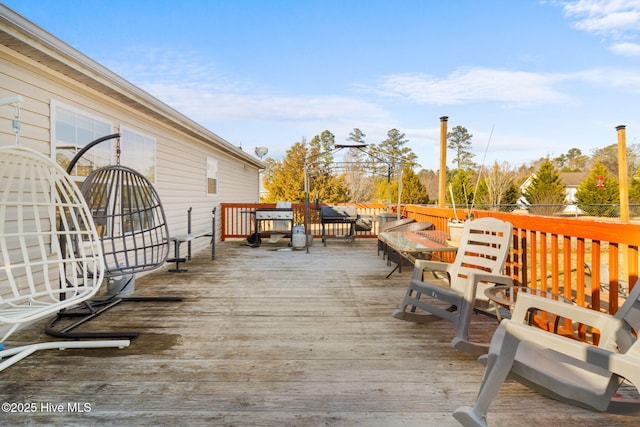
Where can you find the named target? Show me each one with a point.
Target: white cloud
(472, 85)
(606, 17)
(195, 87)
(203, 103)
(626, 49)
(608, 78)
(515, 88)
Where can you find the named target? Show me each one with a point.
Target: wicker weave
(130, 220)
(50, 253)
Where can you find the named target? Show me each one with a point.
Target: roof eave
(34, 42)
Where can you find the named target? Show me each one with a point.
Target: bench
(188, 238)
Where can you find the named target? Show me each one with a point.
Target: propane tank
(298, 236)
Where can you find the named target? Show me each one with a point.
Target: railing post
(213, 234)
(189, 231)
(623, 180)
(442, 177)
(623, 176)
(223, 222)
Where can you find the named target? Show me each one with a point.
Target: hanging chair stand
(143, 247)
(92, 309)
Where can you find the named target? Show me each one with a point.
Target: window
(72, 129)
(138, 151)
(212, 175)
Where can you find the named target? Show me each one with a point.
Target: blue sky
(528, 78)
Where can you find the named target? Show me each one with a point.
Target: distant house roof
(573, 179)
(570, 179)
(26, 38)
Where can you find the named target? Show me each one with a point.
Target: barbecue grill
(338, 215)
(279, 218)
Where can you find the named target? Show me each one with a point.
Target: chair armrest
(612, 359)
(422, 265)
(612, 330)
(498, 279)
(427, 264)
(526, 302)
(475, 278)
(528, 333)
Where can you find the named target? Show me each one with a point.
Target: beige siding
(181, 159)
(34, 115)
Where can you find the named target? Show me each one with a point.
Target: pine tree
(634, 194)
(545, 195)
(357, 168)
(413, 191)
(598, 194)
(462, 190)
(284, 180)
(393, 151)
(459, 139)
(324, 183)
(357, 137)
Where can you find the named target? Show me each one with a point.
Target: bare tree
(429, 179)
(358, 179)
(608, 156)
(498, 181)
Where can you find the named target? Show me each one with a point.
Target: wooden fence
(238, 220)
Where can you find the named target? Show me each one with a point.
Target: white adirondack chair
(50, 253)
(563, 368)
(479, 263)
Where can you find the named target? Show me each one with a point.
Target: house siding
(180, 157)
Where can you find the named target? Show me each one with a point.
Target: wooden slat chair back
(483, 249)
(560, 367)
(50, 254)
(479, 263)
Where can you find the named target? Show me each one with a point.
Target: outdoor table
(417, 244)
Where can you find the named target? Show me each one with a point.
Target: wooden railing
(592, 262)
(589, 261)
(238, 220)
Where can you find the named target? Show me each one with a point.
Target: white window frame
(92, 156)
(212, 174)
(132, 157)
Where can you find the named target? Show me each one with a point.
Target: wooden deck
(271, 337)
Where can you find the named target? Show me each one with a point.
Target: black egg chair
(130, 220)
(133, 233)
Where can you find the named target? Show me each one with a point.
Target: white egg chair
(50, 252)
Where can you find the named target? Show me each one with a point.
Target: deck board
(268, 337)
